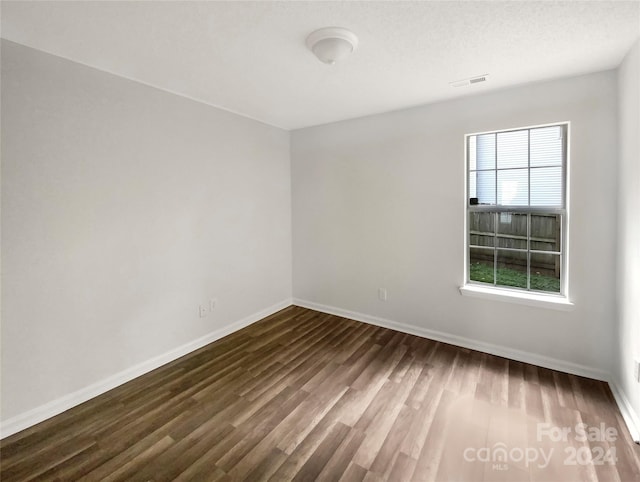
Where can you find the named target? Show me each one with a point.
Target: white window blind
(521, 168)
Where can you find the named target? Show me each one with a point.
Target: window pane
(472, 153)
(545, 272)
(546, 187)
(472, 185)
(481, 229)
(546, 146)
(486, 151)
(513, 149)
(481, 265)
(546, 232)
(521, 171)
(512, 269)
(512, 230)
(485, 186)
(513, 187)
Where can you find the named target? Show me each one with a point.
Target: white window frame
(558, 301)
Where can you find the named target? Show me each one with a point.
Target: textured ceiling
(250, 57)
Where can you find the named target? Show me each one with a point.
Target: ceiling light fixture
(331, 44)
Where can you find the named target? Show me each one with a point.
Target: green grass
(510, 277)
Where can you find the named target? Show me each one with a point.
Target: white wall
(379, 202)
(628, 336)
(124, 208)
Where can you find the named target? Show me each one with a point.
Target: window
(516, 209)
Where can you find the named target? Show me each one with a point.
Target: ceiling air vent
(472, 80)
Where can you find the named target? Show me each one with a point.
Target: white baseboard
(55, 407)
(498, 350)
(628, 413)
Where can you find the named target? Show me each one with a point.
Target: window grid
(529, 214)
(528, 251)
(495, 209)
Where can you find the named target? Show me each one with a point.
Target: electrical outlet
(382, 294)
(202, 311)
(213, 302)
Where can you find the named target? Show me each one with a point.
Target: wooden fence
(509, 230)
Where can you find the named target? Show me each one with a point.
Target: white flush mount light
(331, 44)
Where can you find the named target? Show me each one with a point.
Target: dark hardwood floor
(306, 396)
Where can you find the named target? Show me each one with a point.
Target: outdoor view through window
(516, 209)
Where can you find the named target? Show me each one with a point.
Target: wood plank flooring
(306, 396)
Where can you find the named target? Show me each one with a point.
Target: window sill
(553, 302)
